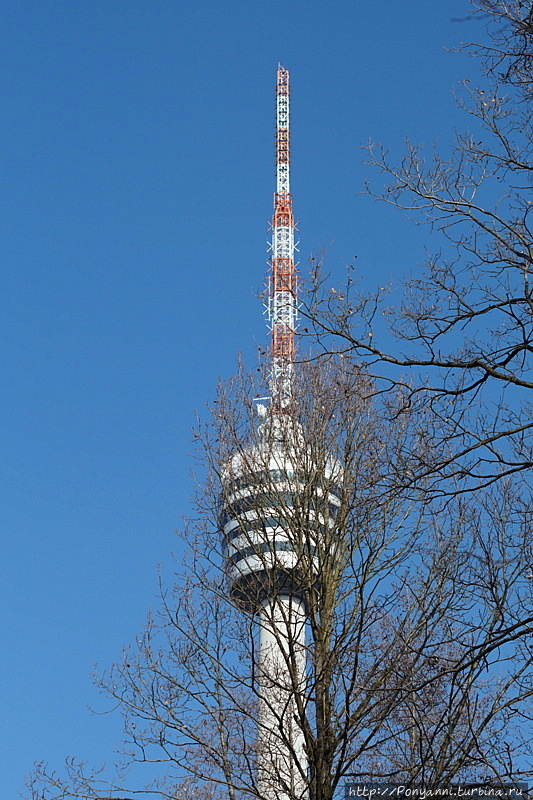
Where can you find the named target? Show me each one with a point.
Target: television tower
(269, 542)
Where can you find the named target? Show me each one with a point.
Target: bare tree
(462, 336)
(418, 662)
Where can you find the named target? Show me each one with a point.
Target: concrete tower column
(282, 761)
(265, 506)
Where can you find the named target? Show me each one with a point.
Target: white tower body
(271, 535)
(282, 760)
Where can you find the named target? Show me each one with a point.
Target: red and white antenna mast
(282, 300)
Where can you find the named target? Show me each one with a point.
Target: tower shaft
(281, 757)
(282, 301)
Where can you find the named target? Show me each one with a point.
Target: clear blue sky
(136, 173)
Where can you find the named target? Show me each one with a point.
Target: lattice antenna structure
(282, 291)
